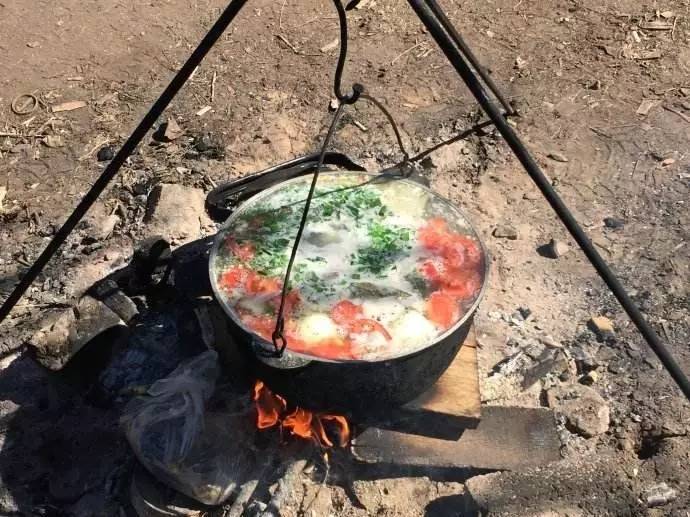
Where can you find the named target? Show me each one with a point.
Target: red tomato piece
(234, 277)
(245, 251)
(259, 284)
(442, 309)
(261, 325)
(364, 326)
(463, 284)
(332, 348)
(292, 301)
(432, 271)
(345, 311)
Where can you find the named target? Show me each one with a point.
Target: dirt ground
(603, 92)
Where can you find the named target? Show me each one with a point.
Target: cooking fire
(272, 410)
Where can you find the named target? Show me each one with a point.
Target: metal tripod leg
(125, 151)
(428, 16)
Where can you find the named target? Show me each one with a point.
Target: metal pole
(127, 149)
(436, 29)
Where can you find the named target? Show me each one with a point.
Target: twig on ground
(213, 86)
(280, 18)
(406, 52)
(290, 45)
(679, 113)
(17, 135)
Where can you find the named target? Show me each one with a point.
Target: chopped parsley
(387, 243)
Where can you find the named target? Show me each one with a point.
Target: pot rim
(291, 359)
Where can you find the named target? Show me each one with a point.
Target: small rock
(555, 249)
(613, 223)
(660, 495)
(69, 331)
(594, 85)
(520, 64)
(505, 231)
(558, 157)
(668, 162)
(53, 141)
(552, 362)
(602, 326)
(685, 91)
(646, 106)
(531, 196)
(176, 213)
(584, 358)
(550, 341)
(585, 410)
(524, 312)
(590, 378)
(203, 143)
(105, 154)
(110, 294)
(100, 228)
(333, 104)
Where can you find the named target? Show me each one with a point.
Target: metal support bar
(125, 151)
(435, 27)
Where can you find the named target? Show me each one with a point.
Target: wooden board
(506, 438)
(452, 405)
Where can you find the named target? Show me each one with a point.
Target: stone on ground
(176, 213)
(65, 334)
(602, 326)
(586, 412)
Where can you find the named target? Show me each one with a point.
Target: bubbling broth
(383, 268)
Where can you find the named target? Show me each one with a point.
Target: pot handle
(223, 199)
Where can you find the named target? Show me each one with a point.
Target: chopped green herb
(387, 242)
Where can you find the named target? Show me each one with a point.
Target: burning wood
(271, 410)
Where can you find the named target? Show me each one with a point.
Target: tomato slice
(244, 251)
(259, 284)
(442, 309)
(234, 277)
(262, 325)
(365, 326)
(292, 301)
(432, 271)
(346, 311)
(462, 284)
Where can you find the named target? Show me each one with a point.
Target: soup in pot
(384, 268)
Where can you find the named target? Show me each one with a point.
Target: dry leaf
(558, 157)
(668, 161)
(68, 106)
(172, 130)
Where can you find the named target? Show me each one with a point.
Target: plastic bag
(203, 456)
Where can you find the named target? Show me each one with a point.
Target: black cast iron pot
(354, 386)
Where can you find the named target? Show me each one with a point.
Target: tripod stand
(477, 81)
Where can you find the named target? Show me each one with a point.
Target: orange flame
(271, 408)
(268, 406)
